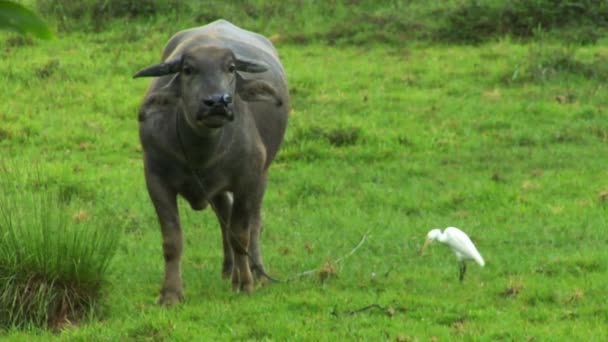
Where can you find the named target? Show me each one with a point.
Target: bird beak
(426, 243)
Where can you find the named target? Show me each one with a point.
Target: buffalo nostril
(226, 99)
(209, 102)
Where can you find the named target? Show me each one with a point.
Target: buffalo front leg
(222, 205)
(165, 203)
(172, 289)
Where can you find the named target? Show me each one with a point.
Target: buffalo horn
(162, 69)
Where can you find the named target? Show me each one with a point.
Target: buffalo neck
(199, 145)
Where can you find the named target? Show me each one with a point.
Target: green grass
(351, 21)
(53, 266)
(386, 141)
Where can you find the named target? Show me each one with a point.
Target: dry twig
(339, 260)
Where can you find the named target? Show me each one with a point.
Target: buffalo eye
(231, 68)
(187, 70)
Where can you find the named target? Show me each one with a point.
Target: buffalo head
(207, 81)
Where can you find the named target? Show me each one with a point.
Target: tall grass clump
(53, 265)
(545, 62)
(475, 21)
(94, 14)
(352, 22)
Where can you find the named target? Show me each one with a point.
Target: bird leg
(462, 268)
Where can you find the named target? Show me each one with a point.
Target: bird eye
(186, 70)
(231, 68)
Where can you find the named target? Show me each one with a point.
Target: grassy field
(506, 140)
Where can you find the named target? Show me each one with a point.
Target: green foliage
(545, 62)
(474, 21)
(355, 22)
(15, 17)
(53, 266)
(95, 14)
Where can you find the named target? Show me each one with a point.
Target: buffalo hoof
(245, 288)
(169, 297)
(226, 274)
(245, 285)
(260, 280)
(259, 274)
(226, 269)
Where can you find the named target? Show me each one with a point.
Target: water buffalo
(210, 124)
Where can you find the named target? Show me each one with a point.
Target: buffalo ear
(257, 90)
(167, 68)
(248, 65)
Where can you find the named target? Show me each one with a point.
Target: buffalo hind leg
(240, 223)
(222, 205)
(257, 266)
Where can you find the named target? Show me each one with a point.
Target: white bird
(460, 244)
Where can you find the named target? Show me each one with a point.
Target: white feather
(459, 242)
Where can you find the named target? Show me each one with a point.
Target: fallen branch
(365, 308)
(353, 250)
(313, 271)
(389, 310)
